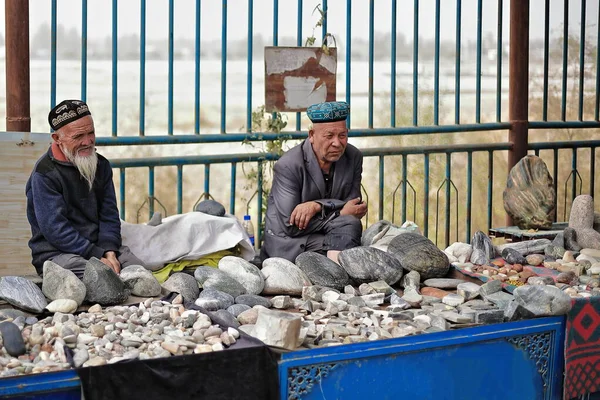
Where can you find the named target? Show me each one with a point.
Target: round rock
(253, 300)
(322, 271)
(60, 283)
(368, 264)
(141, 281)
(417, 253)
(209, 277)
(283, 277)
(211, 207)
(183, 284)
(246, 273)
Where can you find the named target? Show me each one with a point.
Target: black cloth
(246, 370)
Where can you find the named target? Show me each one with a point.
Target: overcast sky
(100, 17)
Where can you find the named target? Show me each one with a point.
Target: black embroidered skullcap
(66, 112)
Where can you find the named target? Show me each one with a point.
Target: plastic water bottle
(249, 228)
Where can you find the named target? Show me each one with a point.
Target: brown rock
(529, 196)
(526, 275)
(517, 267)
(433, 292)
(499, 263)
(567, 277)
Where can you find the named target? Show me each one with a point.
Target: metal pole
(518, 87)
(18, 117)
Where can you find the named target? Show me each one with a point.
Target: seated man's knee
(350, 221)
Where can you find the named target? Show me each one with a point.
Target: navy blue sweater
(65, 216)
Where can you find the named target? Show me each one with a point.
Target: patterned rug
(582, 348)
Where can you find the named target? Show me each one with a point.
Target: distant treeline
(69, 47)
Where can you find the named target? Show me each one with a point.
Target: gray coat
(297, 178)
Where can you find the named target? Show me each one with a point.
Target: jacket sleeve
(109, 224)
(51, 215)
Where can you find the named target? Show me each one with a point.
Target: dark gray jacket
(297, 178)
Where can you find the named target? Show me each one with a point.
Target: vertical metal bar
(404, 184)
(582, 60)
(371, 54)
(53, 28)
(393, 69)
(490, 188)
(555, 179)
(478, 72)
(416, 64)
(179, 189)
(457, 67)
(249, 66)
(425, 194)
(232, 191)
(563, 112)
(518, 90)
(499, 64)
(574, 171)
(18, 107)
(260, 202)
(597, 112)
(171, 53)
(469, 195)
(207, 180)
(592, 169)
(197, 71)
(448, 194)
(84, 8)
(348, 54)
(436, 66)
(325, 7)
(299, 44)
(115, 41)
(142, 127)
(275, 22)
(546, 58)
(223, 65)
(150, 191)
(381, 184)
(122, 192)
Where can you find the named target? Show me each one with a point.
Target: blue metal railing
(424, 103)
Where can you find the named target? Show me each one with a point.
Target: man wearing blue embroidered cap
(315, 202)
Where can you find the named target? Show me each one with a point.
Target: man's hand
(110, 259)
(303, 213)
(354, 207)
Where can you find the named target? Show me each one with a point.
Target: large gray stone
(500, 299)
(570, 239)
(582, 220)
(513, 257)
(374, 231)
(209, 277)
(483, 249)
(543, 300)
(322, 271)
(60, 283)
(246, 273)
(253, 300)
(183, 284)
(526, 247)
(224, 300)
(140, 281)
(22, 293)
(226, 317)
(529, 197)
(283, 277)
(417, 253)
(102, 285)
(368, 264)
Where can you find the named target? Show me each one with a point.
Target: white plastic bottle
(249, 227)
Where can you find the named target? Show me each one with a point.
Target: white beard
(86, 165)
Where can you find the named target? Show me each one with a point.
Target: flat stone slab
(22, 293)
(443, 283)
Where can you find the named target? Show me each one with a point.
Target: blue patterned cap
(328, 112)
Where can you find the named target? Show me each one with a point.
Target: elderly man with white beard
(71, 202)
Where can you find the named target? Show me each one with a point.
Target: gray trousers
(76, 263)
